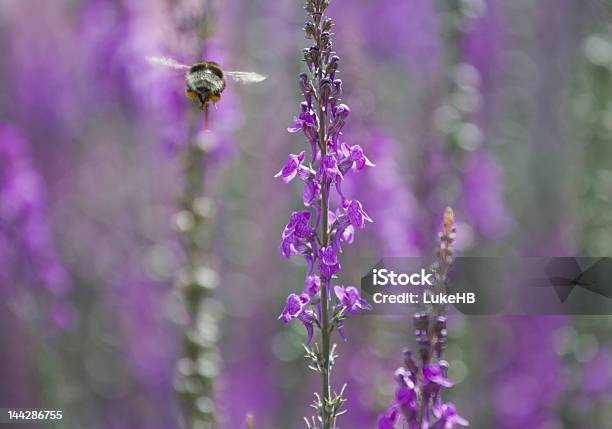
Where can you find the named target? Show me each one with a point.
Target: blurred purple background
(500, 109)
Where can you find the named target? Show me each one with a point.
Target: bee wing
(167, 62)
(246, 77)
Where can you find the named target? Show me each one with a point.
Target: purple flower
(294, 309)
(348, 234)
(328, 261)
(306, 119)
(312, 192)
(433, 374)
(307, 318)
(359, 159)
(294, 306)
(312, 285)
(356, 215)
(297, 234)
(448, 417)
(299, 225)
(341, 112)
(351, 299)
(406, 401)
(329, 171)
(405, 377)
(290, 246)
(405, 397)
(291, 168)
(387, 420)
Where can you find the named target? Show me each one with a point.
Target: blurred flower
(483, 196)
(25, 230)
(397, 227)
(532, 371)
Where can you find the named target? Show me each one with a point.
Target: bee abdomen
(205, 79)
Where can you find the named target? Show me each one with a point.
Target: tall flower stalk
(318, 238)
(418, 399)
(198, 366)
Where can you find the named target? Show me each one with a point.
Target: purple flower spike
(321, 118)
(419, 398)
(356, 215)
(290, 169)
(351, 299)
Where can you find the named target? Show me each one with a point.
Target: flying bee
(205, 80)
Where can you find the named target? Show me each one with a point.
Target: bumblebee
(205, 80)
(205, 83)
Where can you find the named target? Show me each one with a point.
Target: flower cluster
(318, 232)
(321, 119)
(418, 400)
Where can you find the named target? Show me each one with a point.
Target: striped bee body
(205, 81)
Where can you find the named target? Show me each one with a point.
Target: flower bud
(336, 92)
(342, 112)
(315, 56)
(409, 361)
(326, 39)
(332, 67)
(308, 59)
(310, 29)
(325, 88)
(305, 85)
(311, 133)
(328, 24)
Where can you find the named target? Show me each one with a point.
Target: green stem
(194, 293)
(327, 417)
(325, 331)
